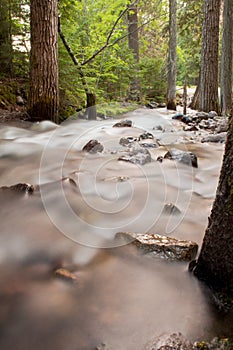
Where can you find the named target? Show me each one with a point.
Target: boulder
(123, 124)
(139, 156)
(93, 146)
(175, 341)
(158, 246)
(127, 141)
(187, 158)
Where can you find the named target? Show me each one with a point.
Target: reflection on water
(83, 200)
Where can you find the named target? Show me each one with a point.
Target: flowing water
(80, 202)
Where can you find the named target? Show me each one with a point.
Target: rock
(222, 125)
(19, 101)
(213, 114)
(202, 115)
(139, 156)
(145, 136)
(161, 105)
(170, 208)
(186, 119)
(22, 188)
(151, 105)
(93, 146)
(126, 141)
(175, 341)
(149, 144)
(221, 137)
(215, 344)
(103, 346)
(162, 246)
(187, 158)
(178, 116)
(123, 124)
(66, 275)
(159, 159)
(191, 128)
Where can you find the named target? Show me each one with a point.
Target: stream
(80, 202)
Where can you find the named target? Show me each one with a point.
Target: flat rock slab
(164, 247)
(175, 341)
(139, 156)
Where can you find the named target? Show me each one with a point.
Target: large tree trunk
(43, 99)
(226, 62)
(133, 40)
(172, 57)
(209, 57)
(215, 263)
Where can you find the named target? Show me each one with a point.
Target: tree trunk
(172, 57)
(43, 101)
(195, 103)
(215, 263)
(226, 62)
(209, 57)
(133, 40)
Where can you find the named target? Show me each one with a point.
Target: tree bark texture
(215, 262)
(226, 62)
(172, 57)
(133, 41)
(44, 94)
(209, 57)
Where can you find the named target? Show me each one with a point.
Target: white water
(122, 298)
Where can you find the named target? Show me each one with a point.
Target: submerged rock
(127, 141)
(123, 124)
(170, 208)
(164, 247)
(215, 344)
(103, 346)
(22, 188)
(139, 156)
(187, 158)
(93, 146)
(175, 341)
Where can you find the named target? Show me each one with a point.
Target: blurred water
(79, 205)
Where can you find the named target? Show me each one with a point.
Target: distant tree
(209, 57)
(172, 56)
(226, 61)
(6, 49)
(133, 40)
(215, 264)
(43, 93)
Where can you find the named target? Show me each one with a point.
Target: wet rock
(222, 126)
(191, 128)
(186, 119)
(139, 156)
(103, 346)
(187, 158)
(175, 341)
(178, 116)
(66, 275)
(127, 141)
(202, 115)
(171, 209)
(161, 105)
(22, 188)
(151, 105)
(159, 159)
(123, 124)
(164, 247)
(19, 101)
(158, 127)
(221, 138)
(93, 146)
(213, 114)
(145, 136)
(149, 144)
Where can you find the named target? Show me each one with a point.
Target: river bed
(80, 202)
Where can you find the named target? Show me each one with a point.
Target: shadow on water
(119, 297)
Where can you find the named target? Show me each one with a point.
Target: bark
(172, 57)
(226, 62)
(195, 103)
(43, 99)
(133, 41)
(215, 263)
(209, 57)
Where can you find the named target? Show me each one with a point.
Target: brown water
(121, 297)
